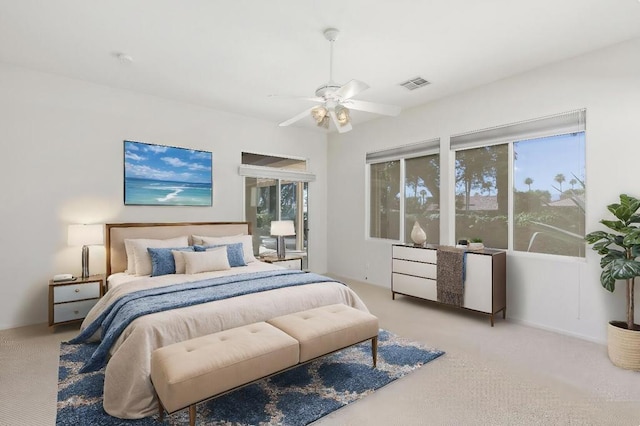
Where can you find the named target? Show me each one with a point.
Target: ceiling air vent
(415, 83)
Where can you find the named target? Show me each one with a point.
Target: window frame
(399, 153)
(566, 123)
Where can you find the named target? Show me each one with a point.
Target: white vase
(418, 236)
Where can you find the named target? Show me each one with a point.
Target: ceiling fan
(336, 100)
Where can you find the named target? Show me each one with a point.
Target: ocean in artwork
(160, 175)
(139, 191)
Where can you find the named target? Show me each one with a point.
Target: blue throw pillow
(235, 253)
(162, 261)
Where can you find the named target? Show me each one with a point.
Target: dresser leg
(491, 320)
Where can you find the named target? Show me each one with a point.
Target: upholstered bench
(186, 373)
(327, 329)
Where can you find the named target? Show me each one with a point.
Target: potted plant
(476, 244)
(619, 248)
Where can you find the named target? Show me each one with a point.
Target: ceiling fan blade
(383, 109)
(305, 113)
(341, 129)
(351, 89)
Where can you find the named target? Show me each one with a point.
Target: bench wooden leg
(374, 351)
(192, 415)
(160, 411)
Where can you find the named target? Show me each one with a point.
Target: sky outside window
(542, 160)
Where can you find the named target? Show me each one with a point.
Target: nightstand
(290, 261)
(70, 301)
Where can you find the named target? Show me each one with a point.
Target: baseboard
(556, 330)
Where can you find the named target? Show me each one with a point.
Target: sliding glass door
(269, 199)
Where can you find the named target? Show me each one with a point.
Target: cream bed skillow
(128, 392)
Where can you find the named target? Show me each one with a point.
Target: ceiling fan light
(342, 114)
(319, 113)
(324, 122)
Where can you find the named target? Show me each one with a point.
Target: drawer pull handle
(76, 312)
(77, 290)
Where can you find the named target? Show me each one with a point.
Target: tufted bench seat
(327, 329)
(186, 373)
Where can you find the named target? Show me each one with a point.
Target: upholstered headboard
(117, 232)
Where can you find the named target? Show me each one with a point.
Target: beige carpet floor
(506, 375)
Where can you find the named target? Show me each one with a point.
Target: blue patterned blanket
(117, 316)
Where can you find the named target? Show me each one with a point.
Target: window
(404, 187)
(385, 200)
(548, 195)
(481, 196)
(276, 188)
(522, 186)
(422, 196)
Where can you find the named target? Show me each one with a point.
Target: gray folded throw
(451, 271)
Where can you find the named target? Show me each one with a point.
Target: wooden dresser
(414, 273)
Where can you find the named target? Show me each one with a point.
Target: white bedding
(128, 392)
(114, 280)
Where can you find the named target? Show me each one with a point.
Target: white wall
(61, 163)
(548, 292)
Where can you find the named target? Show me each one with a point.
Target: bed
(128, 392)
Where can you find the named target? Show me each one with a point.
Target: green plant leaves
(633, 204)
(619, 248)
(626, 209)
(632, 238)
(620, 264)
(595, 236)
(607, 280)
(610, 256)
(623, 269)
(616, 225)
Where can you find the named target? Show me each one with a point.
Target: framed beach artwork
(158, 175)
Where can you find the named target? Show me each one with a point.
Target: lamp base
(85, 261)
(280, 247)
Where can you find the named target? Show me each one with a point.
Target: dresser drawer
(416, 254)
(68, 293)
(418, 269)
(414, 286)
(72, 310)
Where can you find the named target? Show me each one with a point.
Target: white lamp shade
(85, 235)
(282, 227)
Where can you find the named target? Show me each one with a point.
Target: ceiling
(231, 55)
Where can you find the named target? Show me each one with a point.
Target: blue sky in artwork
(165, 163)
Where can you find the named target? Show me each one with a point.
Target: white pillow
(246, 240)
(178, 259)
(198, 240)
(131, 262)
(206, 261)
(140, 255)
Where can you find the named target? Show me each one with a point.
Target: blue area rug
(295, 397)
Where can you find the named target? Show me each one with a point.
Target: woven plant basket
(624, 346)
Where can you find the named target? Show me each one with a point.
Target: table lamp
(279, 229)
(85, 236)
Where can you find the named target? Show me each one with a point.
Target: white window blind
(275, 173)
(431, 146)
(559, 124)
